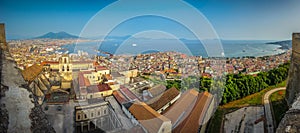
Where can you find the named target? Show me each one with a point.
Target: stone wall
(293, 87)
(2, 36)
(290, 123)
(19, 110)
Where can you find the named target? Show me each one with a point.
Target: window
(104, 111)
(92, 114)
(78, 116)
(98, 113)
(65, 60)
(68, 69)
(85, 116)
(163, 130)
(63, 68)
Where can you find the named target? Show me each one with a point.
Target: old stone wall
(2, 37)
(19, 110)
(290, 123)
(293, 87)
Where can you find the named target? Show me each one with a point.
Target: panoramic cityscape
(150, 67)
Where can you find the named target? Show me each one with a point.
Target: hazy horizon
(231, 20)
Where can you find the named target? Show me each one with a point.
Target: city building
(87, 90)
(37, 81)
(191, 111)
(148, 118)
(124, 77)
(120, 97)
(153, 91)
(129, 94)
(164, 100)
(66, 64)
(97, 116)
(197, 119)
(182, 107)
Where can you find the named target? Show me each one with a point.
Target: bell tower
(65, 64)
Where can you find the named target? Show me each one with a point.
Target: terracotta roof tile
(99, 68)
(103, 87)
(127, 93)
(161, 100)
(32, 72)
(108, 77)
(149, 118)
(81, 80)
(98, 88)
(192, 123)
(49, 62)
(120, 97)
(182, 107)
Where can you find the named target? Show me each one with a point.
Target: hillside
(284, 44)
(58, 35)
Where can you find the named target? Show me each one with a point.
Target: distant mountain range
(58, 35)
(287, 44)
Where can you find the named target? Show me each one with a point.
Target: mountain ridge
(57, 35)
(286, 44)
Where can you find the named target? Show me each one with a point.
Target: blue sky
(231, 19)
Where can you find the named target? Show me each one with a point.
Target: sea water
(195, 48)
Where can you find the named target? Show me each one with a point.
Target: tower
(293, 87)
(65, 64)
(2, 37)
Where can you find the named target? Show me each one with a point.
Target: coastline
(260, 52)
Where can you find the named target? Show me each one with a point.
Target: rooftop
(161, 100)
(108, 77)
(49, 62)
(81, 80)
(192, 123)
(182, 107)
(103, 87)
(100, 68)
(156, 90)
(98, 88)
(116, 74)
(32, 72)
(128, 94)
(120, 97)
(82, 62)
(149, 118)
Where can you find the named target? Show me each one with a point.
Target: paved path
(268, 112)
